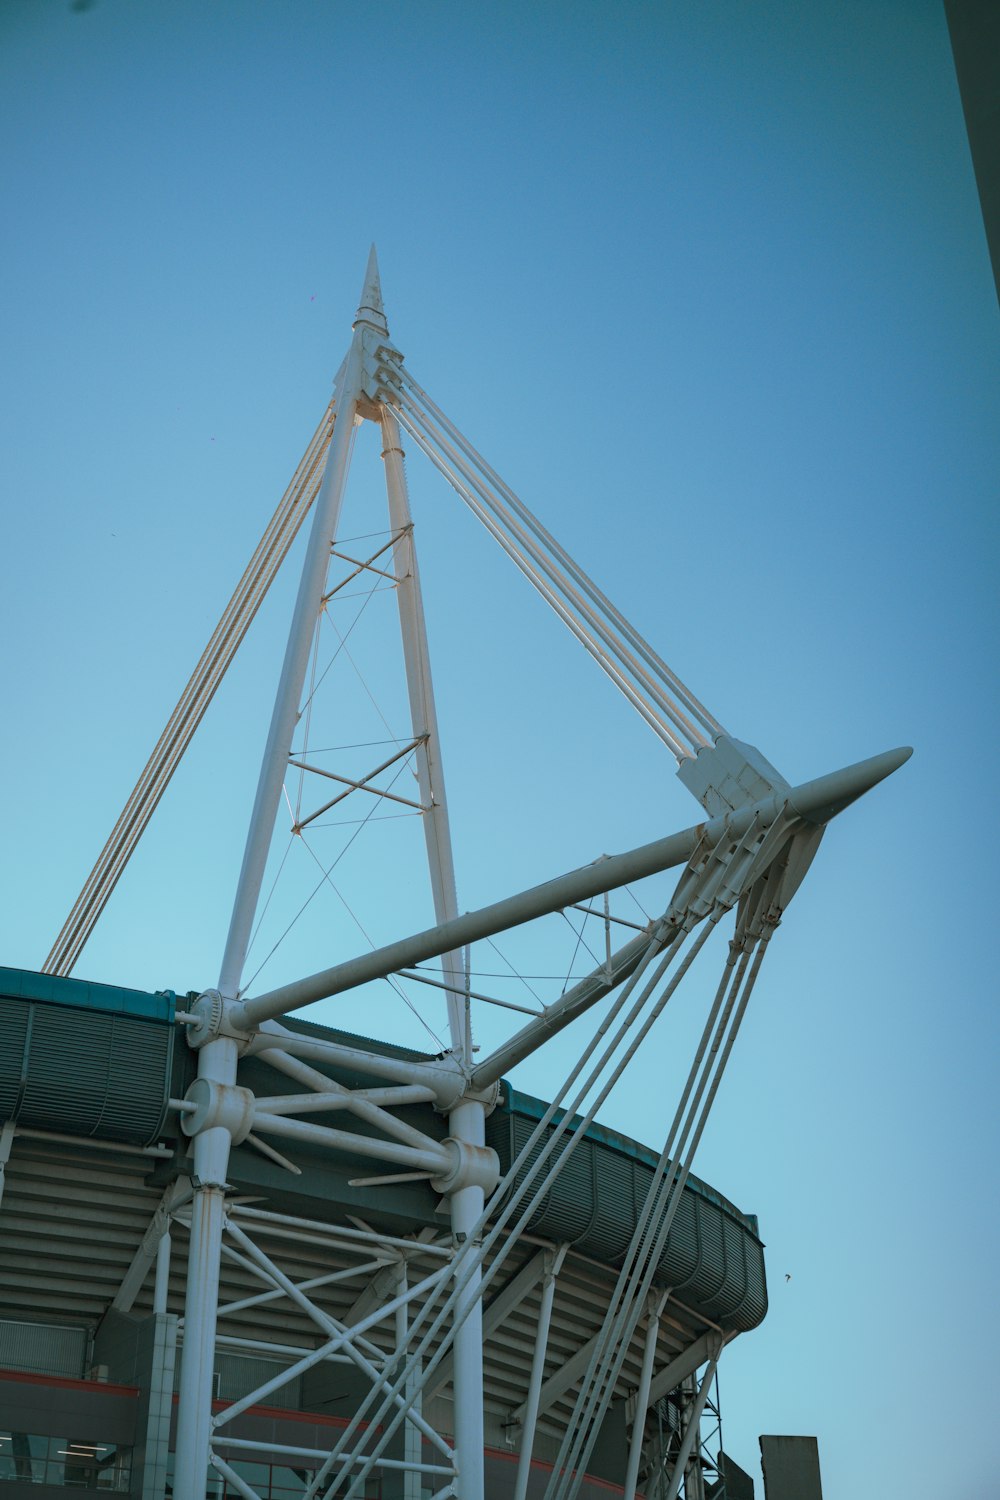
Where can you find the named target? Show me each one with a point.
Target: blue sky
(708, 284)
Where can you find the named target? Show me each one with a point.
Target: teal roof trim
(526, 1104)
(83, 994)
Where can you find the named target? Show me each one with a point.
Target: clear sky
(707, 282)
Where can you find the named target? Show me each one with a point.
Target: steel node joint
(380, 382)
(471, 1166)
(212, 1012)
(219, 1105)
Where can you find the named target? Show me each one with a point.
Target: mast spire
(371, 309)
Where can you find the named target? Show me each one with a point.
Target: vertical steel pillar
(423, 718)
(552, 1267)
(7, 1131)
(412, 1445)
(642, 1398)
(286, 704)
(161, 1285)
(691, 1430)
(217, 1059)
(467, 1122)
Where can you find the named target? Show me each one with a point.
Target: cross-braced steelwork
(429, 1300)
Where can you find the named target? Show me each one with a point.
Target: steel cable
(192, 704)
(642, 706)
(653, 659)
(466, 1260)
(558, 578)
(637, 1271)
(580, 1127)
(669, 1198)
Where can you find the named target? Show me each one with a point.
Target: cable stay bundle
(749, 874)
(670, 709)
(189, 711)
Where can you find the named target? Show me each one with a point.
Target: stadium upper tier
(87, 1073)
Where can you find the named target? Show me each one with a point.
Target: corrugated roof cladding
(95, 1060)
(713, 1259)
(84, 1059)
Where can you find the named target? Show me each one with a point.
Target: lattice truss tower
(421, 1323)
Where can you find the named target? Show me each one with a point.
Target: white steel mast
(746, 861)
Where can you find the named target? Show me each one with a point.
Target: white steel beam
(423, 719)
(365, 1109)
(445, 1079)
(161, 1285)
(561, 1381)
(642, 1396)
(176, 1195)
(339, 1337)
(691, 1429)
(286, 704)
(467, 1123)
(7, 1134)
(815, 801)
(412, 1446)
(496, 1311)
(217, 1061)
(552, 1266)
(685, 1364)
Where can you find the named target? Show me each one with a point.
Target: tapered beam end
(819, 801)
(370, 308)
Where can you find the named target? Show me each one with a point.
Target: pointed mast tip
(371, 309)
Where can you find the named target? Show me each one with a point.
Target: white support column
(7, 1133)
(642, 1397)
(552, 1268)
(217, 1061)
(412, 1446)
(161, 1285)
(467, 1122)
(286, 705)
(423, 718)
(691, 1430)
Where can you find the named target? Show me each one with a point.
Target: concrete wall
(141, 1352)
(791, 1468)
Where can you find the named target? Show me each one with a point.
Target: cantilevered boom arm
(816, 802)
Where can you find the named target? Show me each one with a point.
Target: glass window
(270, 1481)
(22, 1456)
(288, 1483)
(74, 1463)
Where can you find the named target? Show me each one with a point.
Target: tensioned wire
(712, 876)
(697, 709)
(325, 878)
(662, 1202)
(724, 1059)
(529, 558)
(640, 704)
(644, 1252)
(462, 1268)
(541, 560)
(577, 1134)
(464, 1274)
(725, 899)
(617, 1328)
(193, 702)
